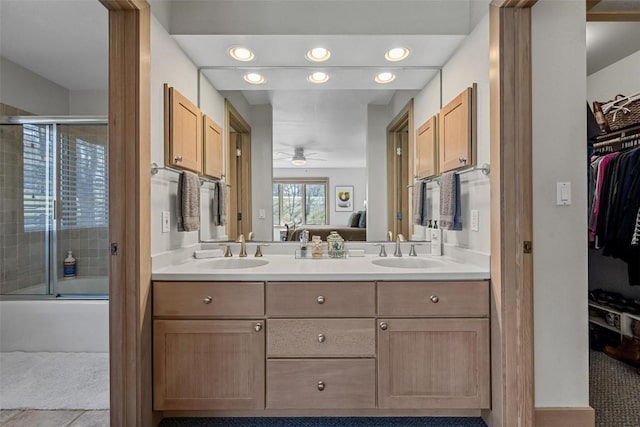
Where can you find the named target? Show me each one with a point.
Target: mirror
(319, 151)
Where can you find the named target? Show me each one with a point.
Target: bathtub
(54, 325)
(91, 285)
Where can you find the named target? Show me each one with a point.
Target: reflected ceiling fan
(298, 157)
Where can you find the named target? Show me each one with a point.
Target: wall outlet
(475, 220)
(166, 216)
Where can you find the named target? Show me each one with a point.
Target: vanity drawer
(437, 299)
(332, 383)
(320, 299)
(321, 338)
(208, 299)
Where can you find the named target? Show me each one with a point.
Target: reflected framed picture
(344, 198)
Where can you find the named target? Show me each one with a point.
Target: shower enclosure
(53, 199)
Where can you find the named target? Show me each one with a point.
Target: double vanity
(282, 336)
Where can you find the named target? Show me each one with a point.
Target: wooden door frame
(404, 118)
(130, 353)
(233, 121)
(512, 357)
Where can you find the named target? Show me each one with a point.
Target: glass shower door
(26, 208)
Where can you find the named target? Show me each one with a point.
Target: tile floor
(60, 418)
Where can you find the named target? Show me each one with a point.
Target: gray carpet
(614, 390)
(324, 422)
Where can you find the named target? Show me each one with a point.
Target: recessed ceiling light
(397, 54)
(254, 78)
(241, 53)
(385, 77)
(318, 54)
(318, 77)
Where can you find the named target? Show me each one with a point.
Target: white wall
(377, 172)
(468, 65)
(169, 64)
(337, 176)
(31, 92)
(559, 233)
(620, 77)
(261, 170)
(88, 102)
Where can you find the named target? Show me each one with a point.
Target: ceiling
(608, 42)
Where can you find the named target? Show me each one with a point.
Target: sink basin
(232, 263)
(407, 263)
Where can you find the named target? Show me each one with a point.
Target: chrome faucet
(398, 251)
(243, 246)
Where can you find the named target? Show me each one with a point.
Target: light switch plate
(475, 226)
(165, 221)
(261, 214)
(563, 193)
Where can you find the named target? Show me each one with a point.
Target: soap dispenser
(427, 236)
(69, 270)
(436, 239)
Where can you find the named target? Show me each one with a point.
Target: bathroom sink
(232, 263)
(407, 263)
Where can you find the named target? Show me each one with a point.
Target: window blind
(83, 184)
(37, 177)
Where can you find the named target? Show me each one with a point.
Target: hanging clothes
(614, 211)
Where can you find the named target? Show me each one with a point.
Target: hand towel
(209, 253)
(418, 202)
(188, 202)
(450, 202)
(220, 204)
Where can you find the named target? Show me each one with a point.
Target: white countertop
(283, 267)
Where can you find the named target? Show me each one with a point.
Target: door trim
(129, 212)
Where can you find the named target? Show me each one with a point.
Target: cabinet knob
(434, 299)
(320, 385)
(207, 300)
(177, 158)
(320, 299)
(384, 326)
(462, 160)
(321, 338)
(257, 327)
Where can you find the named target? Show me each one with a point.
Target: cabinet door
(208, 364)
(212, 144)
(457, 132)
(426, 149)
(433, 363)
(183, 132)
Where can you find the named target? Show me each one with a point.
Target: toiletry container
(436, 239)
(69, 270)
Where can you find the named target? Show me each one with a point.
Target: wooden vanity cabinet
(427, 149)
(457, 132)
(321, 345)
(208, 345)
(212, 146)
(433, 345)
(183, 131)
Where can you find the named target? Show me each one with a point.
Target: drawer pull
(320, 385)
(434, 299)
(258, 327)
(321, 338)
(207, 300)
(320, 299)
(384, 326)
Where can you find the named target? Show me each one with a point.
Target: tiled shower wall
(22, 254)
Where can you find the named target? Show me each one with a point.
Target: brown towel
(188, 202)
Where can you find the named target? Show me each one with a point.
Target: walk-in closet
(613, 132)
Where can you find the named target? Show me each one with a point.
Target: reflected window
(37, 174)
(300, 201)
